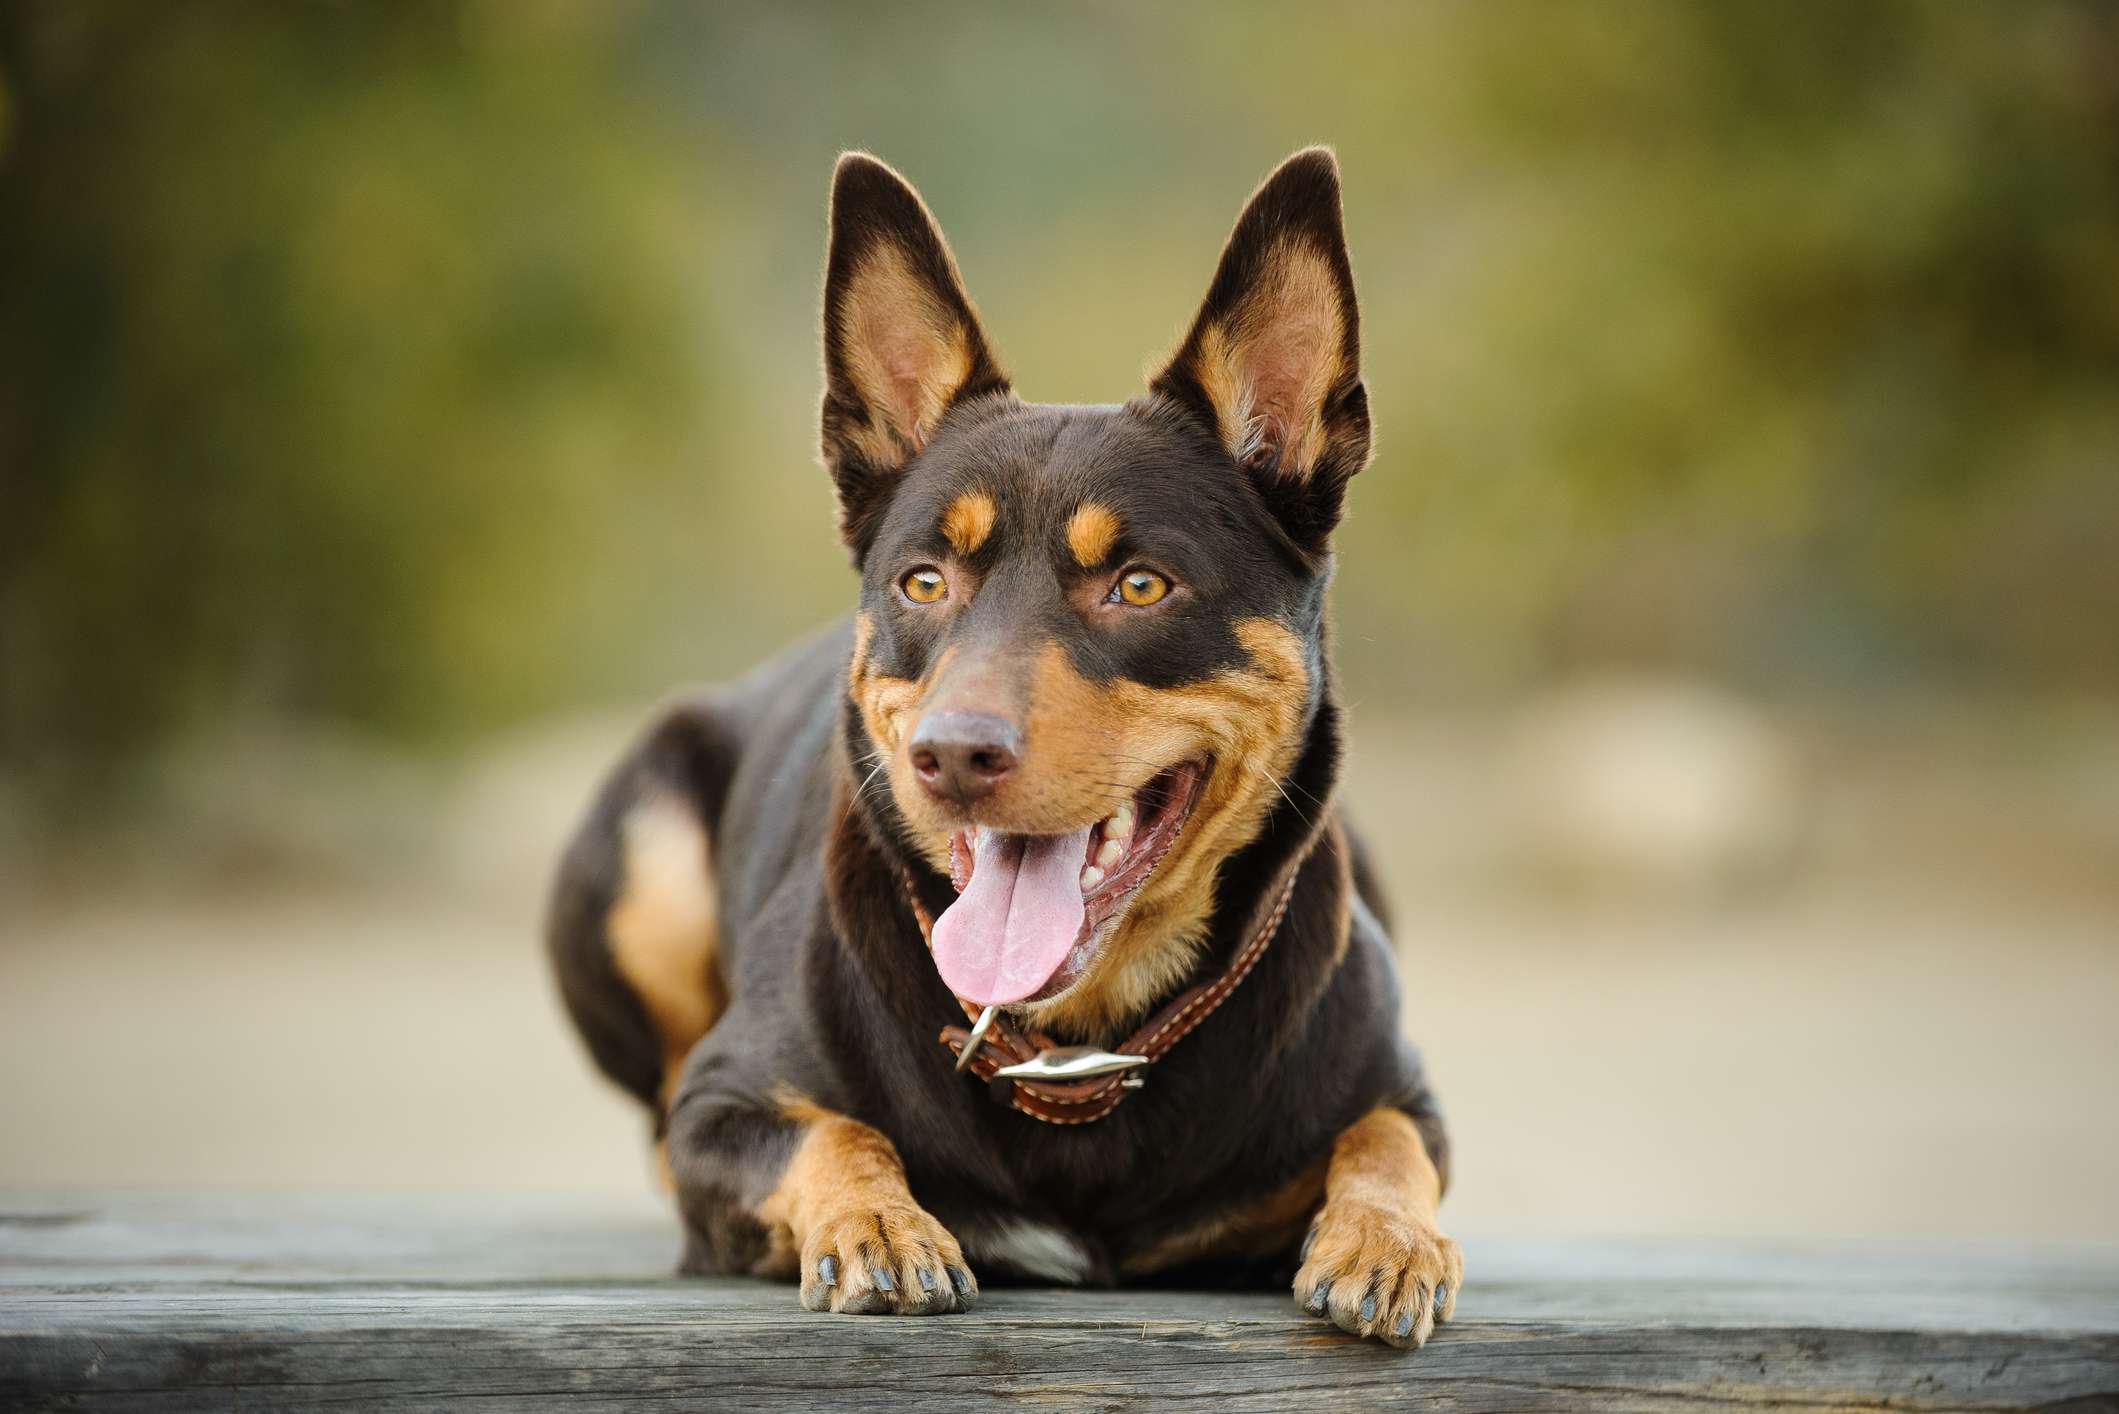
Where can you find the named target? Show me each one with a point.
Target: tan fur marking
(1375, 1235)
(1248, 719)
(886, 705)
(665, 1176)
(1259, 1228)
(1091, 531)
(663, 930)
(1090, 740)
(838, 1163)
(1381, 1160)
(844, 1193)
(906, 353)
(884, 701)
(968, 521)
(1268, 367)
(864, 632)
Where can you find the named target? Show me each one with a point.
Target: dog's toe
(820, 1279)
(1379, 1274)
(898, 1261)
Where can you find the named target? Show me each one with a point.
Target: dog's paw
(1373, 1272)
(896, 1261)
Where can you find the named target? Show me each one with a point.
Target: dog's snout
(962, 756)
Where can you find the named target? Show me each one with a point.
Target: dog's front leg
(866, 1245)
(803, 1190)
(1374, 1262)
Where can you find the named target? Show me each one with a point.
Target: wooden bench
(225, 1301)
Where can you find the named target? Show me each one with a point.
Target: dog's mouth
(1032, 911)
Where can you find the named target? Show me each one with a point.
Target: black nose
(961, 756)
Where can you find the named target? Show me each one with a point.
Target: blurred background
(396, 400)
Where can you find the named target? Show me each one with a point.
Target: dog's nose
(962, 756)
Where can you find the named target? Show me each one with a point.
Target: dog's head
(1090, 641)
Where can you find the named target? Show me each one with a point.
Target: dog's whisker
(1299, 813)
(862, 789)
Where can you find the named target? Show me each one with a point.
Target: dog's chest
(1032, 1247)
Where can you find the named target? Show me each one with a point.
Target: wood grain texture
(122, 1302)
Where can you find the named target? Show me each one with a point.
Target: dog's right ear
(902, 344)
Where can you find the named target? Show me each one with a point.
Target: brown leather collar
(1081, 1101)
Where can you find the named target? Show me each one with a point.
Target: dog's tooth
(1091, 877)
(1108, 855)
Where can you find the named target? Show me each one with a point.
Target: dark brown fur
(816, 1131)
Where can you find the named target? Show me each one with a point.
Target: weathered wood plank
(148, 1303)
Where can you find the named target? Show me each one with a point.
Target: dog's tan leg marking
(866, 1246)
(663, 929)
(1374, 1263)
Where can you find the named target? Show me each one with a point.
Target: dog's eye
(1140, 588)
(924, 586)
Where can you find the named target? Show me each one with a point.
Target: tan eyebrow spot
(968, 521)
(1090, 534)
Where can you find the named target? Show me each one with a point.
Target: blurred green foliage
(424, 368)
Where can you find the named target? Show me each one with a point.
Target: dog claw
(1395, 1276)
(896, 1262)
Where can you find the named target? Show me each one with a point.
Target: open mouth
(1032, 910)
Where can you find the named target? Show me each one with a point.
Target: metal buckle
(1070, 1063)
(979, 1029)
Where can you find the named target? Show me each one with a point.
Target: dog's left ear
(902, 344)
(1272, 362)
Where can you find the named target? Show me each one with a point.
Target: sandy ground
(1897, 1055)
(1950, 1075)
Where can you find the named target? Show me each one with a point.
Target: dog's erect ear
(1273, 361)
(902, 343)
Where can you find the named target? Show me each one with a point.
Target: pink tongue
(1017, 919)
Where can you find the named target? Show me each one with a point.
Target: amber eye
(924, 586)
(1141, 588)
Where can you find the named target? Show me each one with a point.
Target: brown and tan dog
(1072, 760)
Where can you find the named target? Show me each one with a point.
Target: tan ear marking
(906, 352)
(968, 521)
(1091, 532)
(1269, 367)
(1271, 364)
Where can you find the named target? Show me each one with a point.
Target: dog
(1010, 926)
